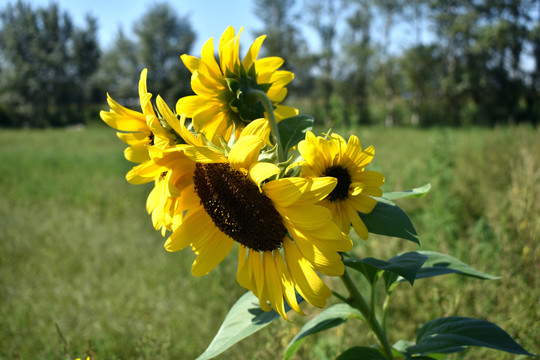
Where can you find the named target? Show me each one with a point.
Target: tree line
(480, 64)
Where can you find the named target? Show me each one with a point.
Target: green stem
(269, 109)
(360, 303)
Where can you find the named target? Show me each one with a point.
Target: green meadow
(83, 272)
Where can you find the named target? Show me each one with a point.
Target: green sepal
(361, 352)
(244, 318)
(233, 85)
(224, 145)
(413, 193)
(328, 318)
(454, 334)
(268, 154)
(405, 265)
(293, 129)
(389, 219)
(264, 87)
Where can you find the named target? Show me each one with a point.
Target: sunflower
(223, 102)
(144, 131)
(139, 129)
(283, 236)
(355, 187)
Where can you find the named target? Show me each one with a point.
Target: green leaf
(388, 219)
(413, 193)
(361, 352)
(454, 334)
(405, 265)
(293, 129)
(441, 264)
(329, 318)
(244, 318)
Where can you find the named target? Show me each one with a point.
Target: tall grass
(82, 271)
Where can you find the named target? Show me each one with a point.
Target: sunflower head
(284, 237)
(356, 188)
(224, 102)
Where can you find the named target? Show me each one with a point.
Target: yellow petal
(136, 138)
(227, 47)
(266, 67)
(191, 62)
(258, 127)
(146, 104)
(370, 178)
(286, 283)
(205, 86)
(242, 274)
(125, 122)
(317, 189)
(308, 283)
(142, 83)
(273, 285)
(262, 171)
(253, 52)
(341, 219)
(203, 154)
(364, 158)
(277, 95)
(357, 223)
(168, 115)
(286, 191)
(210, 251)
(311, 152)
(281, 78)
(308, 217)
(283, 112)
(145, 172)
(226, 38)
(362, 203)
(245, 152)
(257, 270)
(329, 234)
(207, 57)
(188, 198)
(211, 121)
(137, 153)
(197, 224)
(187, 135)
(189, 105)
(321, 256)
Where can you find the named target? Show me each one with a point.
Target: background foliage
(78, 250)
(479, 63)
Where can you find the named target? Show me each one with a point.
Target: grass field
(83, 273)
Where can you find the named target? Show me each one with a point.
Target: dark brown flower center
(238, 208)
(341, 191)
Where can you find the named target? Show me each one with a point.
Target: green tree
(357, 64)
(422, 67)
(285, 39)
(85, 61)
(323, 18)
(390, 9)
(119, 69)
(162, 37)
(485, 42)
(45, 59)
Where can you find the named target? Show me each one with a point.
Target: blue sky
(209, 18)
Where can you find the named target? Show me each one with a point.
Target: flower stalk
(369, 314)
(269, 110)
